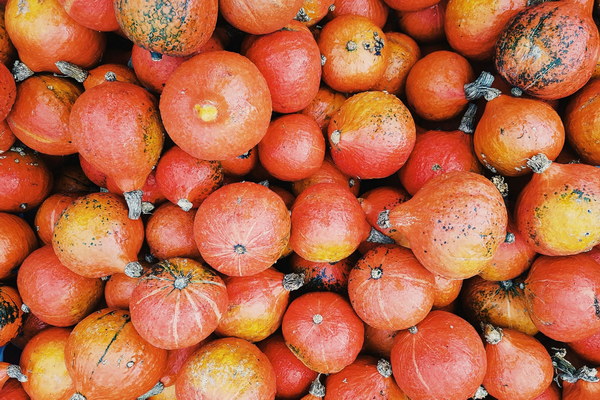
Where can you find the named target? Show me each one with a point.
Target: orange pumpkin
(242, 164)
(259, 17)
(313, 11)
(109, 73)
(379, 341)
(581, 121)
(588, 348)
(49, 212)
(71, 180)
(8, 91)
(425, 25)
(98, 15)
(380, 199)
(404, 53)
(323, 276)
(8, 371)
(410, 5)
(322, 107)
(376, 10)
(17, 241)
(316, 390)
(7, 138)
(445, 291)
(170, 233)
(175, 361)
(118, 290)
(11, 315)
(13, 390)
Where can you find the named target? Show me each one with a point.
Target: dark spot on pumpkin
(8, 312)
(597, 306)
(239, 249)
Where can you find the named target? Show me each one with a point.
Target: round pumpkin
(30, 327)
(312, 11)
(170, 232)
(109, 73)
(404, 53)
(48, 214)
(175, 361)
(242, 164)
(17, 241)
(425, 25)
(445, 291)
(259, 17)
(323, 105)
(118, 290)
(376, 10)
(588, 348)
(581, 121)
(379, 341)
(98, 15)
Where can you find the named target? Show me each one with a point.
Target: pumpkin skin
(293, 378)
(175, 361)
(43, 362)
(551, 393)
(562, 296)
(318, 277)
(118, 290)
(390, 289)
(355, 51)
(588, 348)
(7, 50)
(49, 212)
(518, 366)
(435, 85)
(371, 135)
(95, 238)
(97, 76)
(380, 199)
(43, 33)
(567, 43)
(170, 232)
(293, 84)
(178, 303)
(8, 91)
(550, 203)
(7, 138)
(178, 30)
(328, 223)
(25, 180)
(53, 292)
(30, 327)
(582, 120)
(456, 202)
(580, 390)
(226, 369)
(436, 153)
(312, 11)
(379, 341)
(242, 164)
(404, 53)
(13, 390)
(512, 130)
(443, 359)
(328, 173)
(12, 315)
(323, 331)
(473, 28)
(17, 241)
(375, 10)
(410, 5)
(108, 359)
(322, 107)
(426, 25)
(98, 15)
(259, 17)
(445, 291)
(501, 304)
(208, 97)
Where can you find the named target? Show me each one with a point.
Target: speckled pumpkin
(11, 315)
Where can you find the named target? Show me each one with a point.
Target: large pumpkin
(582, 118)
(259, 16)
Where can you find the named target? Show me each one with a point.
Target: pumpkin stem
(157, 389)
(336, 136)
(265, 183)
(535, 2)
(21, 71)
(498, 181)
(376, 273)
(567, 372)
(185, 204)
(155, 56)
(480, 393)
(413, 329)
(516, 92)
(134, 269)
(147, 207)
(506, 285)
(110, 76)
(466, 123)
(377, 237)
(181, 282)
(539, 163)
(14, 371)
(317, 318)
(78, 396)
(481, 87)
(384, 368)
(510, 238)
(293, 281)
(383, 219)
(492, 335)
(134, 203)
(72, 71)
(302, 16)
(25, 308)
(150, 258)
(105, 278)
(317, 389)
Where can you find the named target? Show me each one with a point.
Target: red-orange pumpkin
(325, 276)
(175, 361)
(8, 91)
(425, 25)
(404, 54)
(98, 15)
(49, 212)
(582, 119)
(118, 290)
(170, 232)
(242, 164)
(259, 17)
(323, 105)
(30, 327)
(13, 390)
(380, 199)
(376, 10)
(17, 241)
(445, 291)
(328, 173)
(11, 315)
(379, 342)
(588, 348)
(410, 5)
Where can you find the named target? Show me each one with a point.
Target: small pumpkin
(175, 361)
(376, 10)
(49, 212)
(170, 232)
(13, 390)
(410, 5)
(425, 25)
(380, 199)
(404, 53)
(581, 121)
(8, 371)
(242, 164)
(259, 17)
(328, 173)
(313, 11)
(323, 276)
(11, 314)
(118, 290)
(30, 327)
(17, 241)
(379, 342)
(588, 348)
(445, 291)
(323, 105)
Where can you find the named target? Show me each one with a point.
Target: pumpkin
(178, 303)
(379, 342)
(440, 358)
(98, 15)
(212, 95)
(404, 53)
(95, 238)
(17, 241)
(578, 383)
(30, 327)
(328, 173)
(581, 121)
(312, 11)
(11, 315)
(108, 359)
(390, 289)
(70, 179)
(548, 50)
(7, 138)
(454, 224)
(323, 331)
(371, 135)
(43, 362)
(425, 25)
(557, 211)
(7, 50)
(175, 361)
(109, 73)
(328, 223)
(323, 105)
(178, 30)
(292, 377)
(227, 368)
(376, 10)
(354, 53)
(551, 393)
(43, 33)
(118, 290)
(154, 69)
(581, 390)
(13, 390)
(323, 276)
(117, 123)
(445, 291)
(53, 292)
(410, 5)
(382, 198)
(242, 164)
(170, 232)
(588, 348)
(259, 17)
(48, 213)
(257, 304)
(8, 90)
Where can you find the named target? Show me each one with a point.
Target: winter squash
(8, 90)
(170, 232)
(118, 290)
(25, 180)
(13, 390)
(180, 29)
(445, 291)
(562, 296)
(548, 50)
(512, 130)
(379, 342)
(43, 362)
(365, 378)
(328, 223)
(257, 304)
(242, 228)
(581, 389)
(108, 359)
(518, 366)
(43, 33)
(442, 357)
(11, 315)
(328, 173)
(390, 289)
(17, 241)
(178, 303)
(581, 121)
(323, 276)
(7, 50)
(371, 135)
(175, 361)
(375, 10)
(551, 393)
(293, 84)
(380, 199)
(49, 212)
(200, 107)
(293, 148)
(109, 73)
(117, 123)
(454, 224)
(313, 11)
(95, 238)
(558, 210)
(404, 53)
(225, 369)
(242, 164)
(98, 15)
(323, 105)
(502, 304)
(588, 348)
(316, 390)
(259, 17)
(410, 5)
(425, 25)
(473, 28)
(7, 138)
(53, 292)
(292, 377)
(354, 53)
(30, 327)
(323, 331)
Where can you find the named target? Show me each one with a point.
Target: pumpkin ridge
(114, 338)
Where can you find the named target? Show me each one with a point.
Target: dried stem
(466, 123)
(72, 71)
(293, 281)
(377, 237)
(539, 163)
(134, 202)
(481, 87)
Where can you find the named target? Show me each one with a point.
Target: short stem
(383, 219)
(516, 92)
(134, 269)
(265, 183)
(293, 281)
(317, 319)
(185, 204)
(510, 238)
(181, 282)
(481, 87)
(14, 371)
(507, 284)
(384, 368)
(480, 393)
(25, 308)
(501, 185)
(492, 335)
(567, 372)
(413, 329)
(317, 389)
(466, 123)
(134, 202)
(539, 163)
(377, 237)
(110, 76)
(157, 389)
(21, 71)
(72, 71)
(147, 207)
(78, 396)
